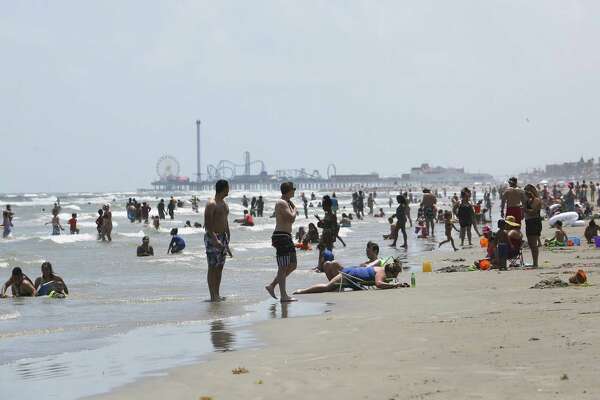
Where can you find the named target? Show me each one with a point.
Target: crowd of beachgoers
(463, 212)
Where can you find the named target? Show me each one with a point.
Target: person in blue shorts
(177, 243)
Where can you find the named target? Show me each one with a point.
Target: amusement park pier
(252, 175)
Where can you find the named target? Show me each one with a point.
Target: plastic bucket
(597, 241)
(576, 240)
(484, 264)
(427, 267)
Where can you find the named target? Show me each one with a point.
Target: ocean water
(127, 317)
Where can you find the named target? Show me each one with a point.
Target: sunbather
(378, 275)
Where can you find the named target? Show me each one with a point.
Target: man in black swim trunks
(285, 215)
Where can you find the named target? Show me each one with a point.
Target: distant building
(577, 170)
(428, 174)
(571, 169)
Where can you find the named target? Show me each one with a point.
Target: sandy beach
(467, 335)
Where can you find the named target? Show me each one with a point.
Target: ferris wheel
(167, 166)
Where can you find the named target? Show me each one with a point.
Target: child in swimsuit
(449, 226)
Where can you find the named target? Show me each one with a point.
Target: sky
(93, 93)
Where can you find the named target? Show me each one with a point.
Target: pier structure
(252, 175)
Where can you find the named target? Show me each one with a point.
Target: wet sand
(467, 335)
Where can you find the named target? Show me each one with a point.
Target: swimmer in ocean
(145, 250)
(19, 283)
(177, 243)
(56, 226)
(49, 282)
(7, 217)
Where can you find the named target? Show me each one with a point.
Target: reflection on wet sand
(284, 310)
(221, 337)
(28, 370)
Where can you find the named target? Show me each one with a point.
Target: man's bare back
(429, 200)
(285, 215)
(513, 197)
(215, 217)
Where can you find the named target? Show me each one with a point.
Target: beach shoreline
(481, 334)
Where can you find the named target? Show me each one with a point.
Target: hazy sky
(93, 93)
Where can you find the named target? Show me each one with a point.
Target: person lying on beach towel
(331, 268)
(360, 275)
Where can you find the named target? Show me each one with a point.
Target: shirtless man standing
(428, 204)
(514, 199)
(285, 215)
(216, 238)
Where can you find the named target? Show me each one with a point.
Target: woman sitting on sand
(313, 233)
(591, 231)
(560, 237)
(366, 274)
(393, 234)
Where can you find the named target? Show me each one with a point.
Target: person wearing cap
(19, 283)
(514, 199)
(145, 249)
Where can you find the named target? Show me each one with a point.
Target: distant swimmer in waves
(371, 273)
(19, 283)
(177, 243)
(145, 250)
(380, 214)
(73, 224)
(7, 217)
(56, 226)
(247, 220)
(50, 282)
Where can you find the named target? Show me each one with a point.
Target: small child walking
(449, 226)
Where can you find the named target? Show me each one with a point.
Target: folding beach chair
(516, 260)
